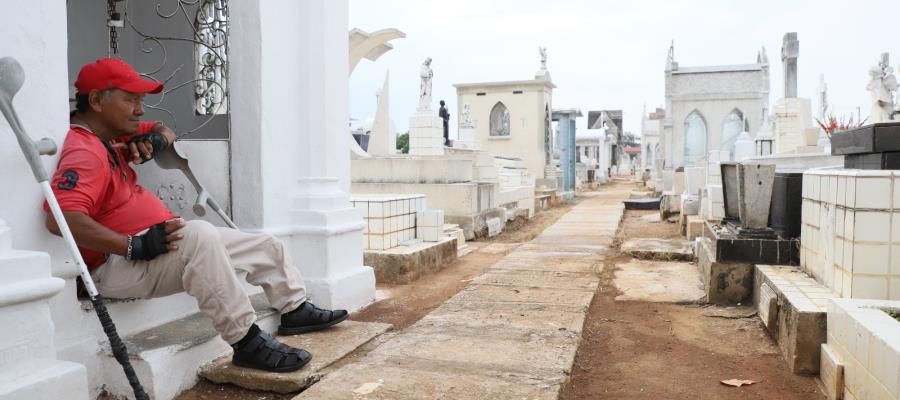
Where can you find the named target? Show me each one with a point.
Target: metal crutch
(171, 158)
(12, 76)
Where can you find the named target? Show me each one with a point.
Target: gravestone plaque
(787, 204)
(875, 138)
(888, 160)
(729, 189)
(755, 183)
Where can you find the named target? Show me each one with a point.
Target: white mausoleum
(512, 119)
(708, 107)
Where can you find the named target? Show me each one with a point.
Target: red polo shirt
(89, 180)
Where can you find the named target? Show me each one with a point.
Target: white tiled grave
(850, 233)
(390, 218)
(861, 359)
(715, 206)
(429, 225)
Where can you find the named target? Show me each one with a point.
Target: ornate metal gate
(184, 44)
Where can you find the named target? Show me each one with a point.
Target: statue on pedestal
(425, 74)
(896, 103)
(465, 120)
(543, 52)
(882, 84)
(445, 116)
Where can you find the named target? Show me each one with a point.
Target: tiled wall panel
(850, 233)
(390, 219)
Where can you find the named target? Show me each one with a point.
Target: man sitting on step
(136, 247)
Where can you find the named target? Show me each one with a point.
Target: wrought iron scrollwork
(209, 27)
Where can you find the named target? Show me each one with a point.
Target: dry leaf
(738, 382)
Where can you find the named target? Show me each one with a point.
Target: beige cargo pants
(204, 266)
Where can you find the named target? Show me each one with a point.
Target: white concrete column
(29, 368)
(290, 165)
(35, 34)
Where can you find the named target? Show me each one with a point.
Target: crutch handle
(29, 148)
(200, 204)
(46, 147)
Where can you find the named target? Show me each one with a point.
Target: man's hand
(139, 151)
(142, 148)
(171, 226)
(160, 239)
(90, 234)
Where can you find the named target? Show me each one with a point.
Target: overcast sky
(611, 54)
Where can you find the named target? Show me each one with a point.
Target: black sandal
(309, 318)
(268, 354)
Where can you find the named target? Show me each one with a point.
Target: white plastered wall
(526, 119)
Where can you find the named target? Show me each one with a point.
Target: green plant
(403, 143)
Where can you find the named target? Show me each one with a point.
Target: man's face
(121, 111)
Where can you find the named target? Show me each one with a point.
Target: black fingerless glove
(157, 140)
(149, 245)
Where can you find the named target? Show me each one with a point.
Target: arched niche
(499, 120)
(695, 134)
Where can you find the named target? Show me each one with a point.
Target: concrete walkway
(512, 333)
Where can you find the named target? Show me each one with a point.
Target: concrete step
(463, 251)
(453, 230)
(404, 264)
(167, 357)
(793, 307)
(659, 249)
(326, 347)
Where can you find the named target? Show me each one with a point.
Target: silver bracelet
(128, 252)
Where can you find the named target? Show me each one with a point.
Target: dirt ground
(634, 227)
(408, 303)
(403, 305)
(630, 350)
(643, 350)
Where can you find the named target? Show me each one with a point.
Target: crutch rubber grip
(118, 347)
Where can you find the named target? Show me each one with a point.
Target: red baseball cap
(113, 73)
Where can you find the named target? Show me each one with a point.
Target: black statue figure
(445, 115)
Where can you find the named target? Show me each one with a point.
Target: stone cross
(790, 50)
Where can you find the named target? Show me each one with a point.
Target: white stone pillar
(35, 34)
(426, 134)
(290, 165)
(29, 368)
